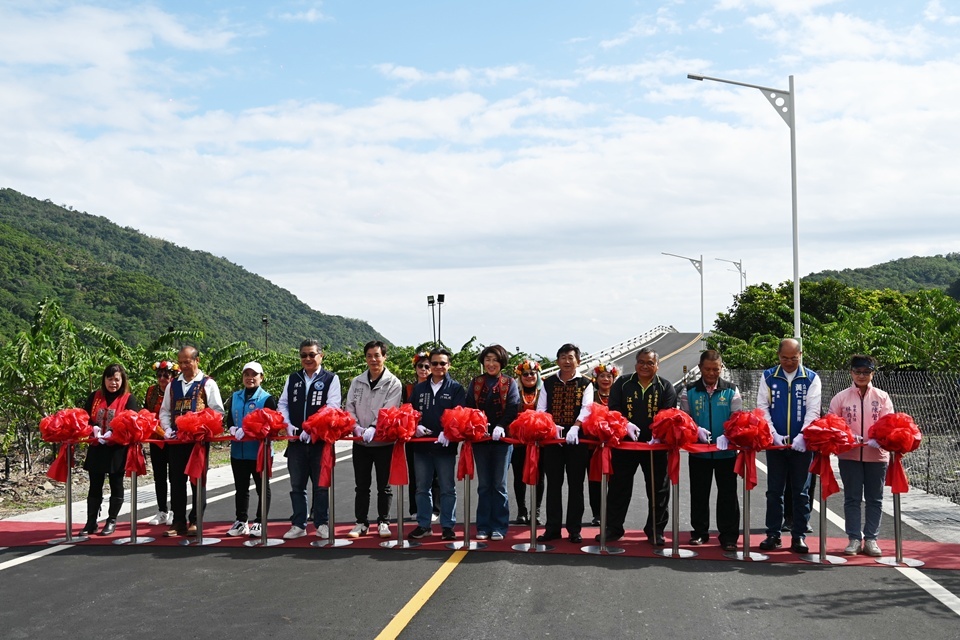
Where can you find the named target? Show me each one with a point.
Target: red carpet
(935, 555)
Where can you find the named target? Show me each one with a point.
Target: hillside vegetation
(903, 274)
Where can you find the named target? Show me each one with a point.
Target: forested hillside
(904, 274)
(136, 287)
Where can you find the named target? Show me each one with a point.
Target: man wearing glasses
(639, 397)
(789, 396)
(305, 392)
(431, 398)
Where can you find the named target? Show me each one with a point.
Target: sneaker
(448, 534)
(871, 548)
(358, 530)
(256, 530)
(161, 518)
(772, 542)
(239, 528)
(483, 535)
(295, 532)
(853, 548)
(496, 536)
(383, 530)
(420, 532)
(323, 531)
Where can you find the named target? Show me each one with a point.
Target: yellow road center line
(403, 618)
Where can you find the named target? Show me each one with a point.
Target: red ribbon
(821, 467)
(746, 467)
(601, 463)
(135, 460)
(197, 464)
(466, 466)
(398, 465)
(263, 453)
(531, 464)
(58, 470)
(327, 462)
(896, 476)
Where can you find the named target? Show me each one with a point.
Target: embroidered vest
(564, 400)
(102, 413)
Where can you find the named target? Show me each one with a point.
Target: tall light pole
(698, 265)
(266, 343)
(440, 297)
(782, 101)
(739, 266)
(433, 314)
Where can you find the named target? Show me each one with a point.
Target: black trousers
(703, 471)
(517, 460)
(571, 460)
(620, 489)
(179, 454)
(365, 461)
(242, 471)
(95, 495)
(159, 462)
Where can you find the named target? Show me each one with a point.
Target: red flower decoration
(829, 434)
(260, 424)
(674, 428)
(533, 426)
(397, 424)
(66, 425)
(131, 427)
(329, 424)
(605, 425)
(197, 426)
(464, 424)
(896, 432)
(748, 430)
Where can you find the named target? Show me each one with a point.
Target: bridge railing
(589, 360)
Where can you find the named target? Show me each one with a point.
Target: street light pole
(698, 265)
(266, 342)
(440, 298)
(739, 266)
(433, 314)
(783, 102)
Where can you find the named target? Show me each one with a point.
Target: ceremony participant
(191, 391)
(639, 397)
(244, 453)
(431, 398)
(604, 375)
(862, 469)
(106, 460)
(421, 366)
(710, 401)
(374, 389)
(304, 393)
(789, 396)
(497, 395)
(528, 376)
(159, 463)
(567, 397)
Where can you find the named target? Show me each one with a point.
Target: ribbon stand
(332, 541)
(263, 540)
(602, 548)
(746, 554)
(822, 557)
(533, 546)
(400, 542)
(898, 560)
(68, 503)
(675, 551)
(466, 543)
(133, 539)
(201, 497)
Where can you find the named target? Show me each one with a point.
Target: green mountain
(136, 287)
(903, 274)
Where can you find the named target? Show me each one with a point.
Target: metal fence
(933, 399)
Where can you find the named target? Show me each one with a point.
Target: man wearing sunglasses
(304, 393)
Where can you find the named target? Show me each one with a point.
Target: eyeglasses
(439, 364)
(528, 374)
(308, 356)
(862, 372)
(165, 374)
(423, 365)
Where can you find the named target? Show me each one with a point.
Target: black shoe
(799, 546)
(772, 542)
(576, 538)
(108, 527)
(420, 532)
(89, 529)
(547, 536)
(696, 541)
(522, 519)
(595, 522)
(659, 541)
(729, 546)
(448, 534)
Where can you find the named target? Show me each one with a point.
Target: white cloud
(934, 11)
(460, 77)
(312, 13)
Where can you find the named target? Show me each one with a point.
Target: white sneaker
(358, 530)
(239, 528)
(483, 535)
(496, 536)
(871, 548)
(384, 530)
(162, 517)
(853, 548)
(256, 530)
(295, 532)
(323, 531)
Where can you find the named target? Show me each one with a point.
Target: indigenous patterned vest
(153, 399)
(498, 393)
(194, 399)
(564, 400)
(528, 401)
(102, 413)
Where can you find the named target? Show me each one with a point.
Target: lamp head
(440, 298)
(430, 301)
(693, 76)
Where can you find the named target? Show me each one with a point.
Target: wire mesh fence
(933, 399)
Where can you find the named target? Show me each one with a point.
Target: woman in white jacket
(862, 469)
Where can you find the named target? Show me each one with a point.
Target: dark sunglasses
(423, 365)
(165, 374)
(439, 364)
(308, 356)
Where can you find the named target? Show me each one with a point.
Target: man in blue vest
(710, 401)
(304, 393)
(789, 396)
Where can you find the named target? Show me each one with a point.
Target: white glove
(106, 437)
(778, 439)
(498, 433)
(703, 436)
(858, 439)
(423, 432)
(799, 444)
(239, 434)
(633, 431)
(442, 439)
(654, 441)
(96, 432)
(291, 430)
(368, 434)
(233, 431)
(304, 437)
(722, 443)
(169, 434)
(873, 443)
(358, 431)
(573, 435)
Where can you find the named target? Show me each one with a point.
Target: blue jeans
(493, 504)
(303, 463)
(427, 464)
(780, 464)
(862, 481)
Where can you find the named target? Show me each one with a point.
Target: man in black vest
(305, 392)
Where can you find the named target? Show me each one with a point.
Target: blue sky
(531, 160)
